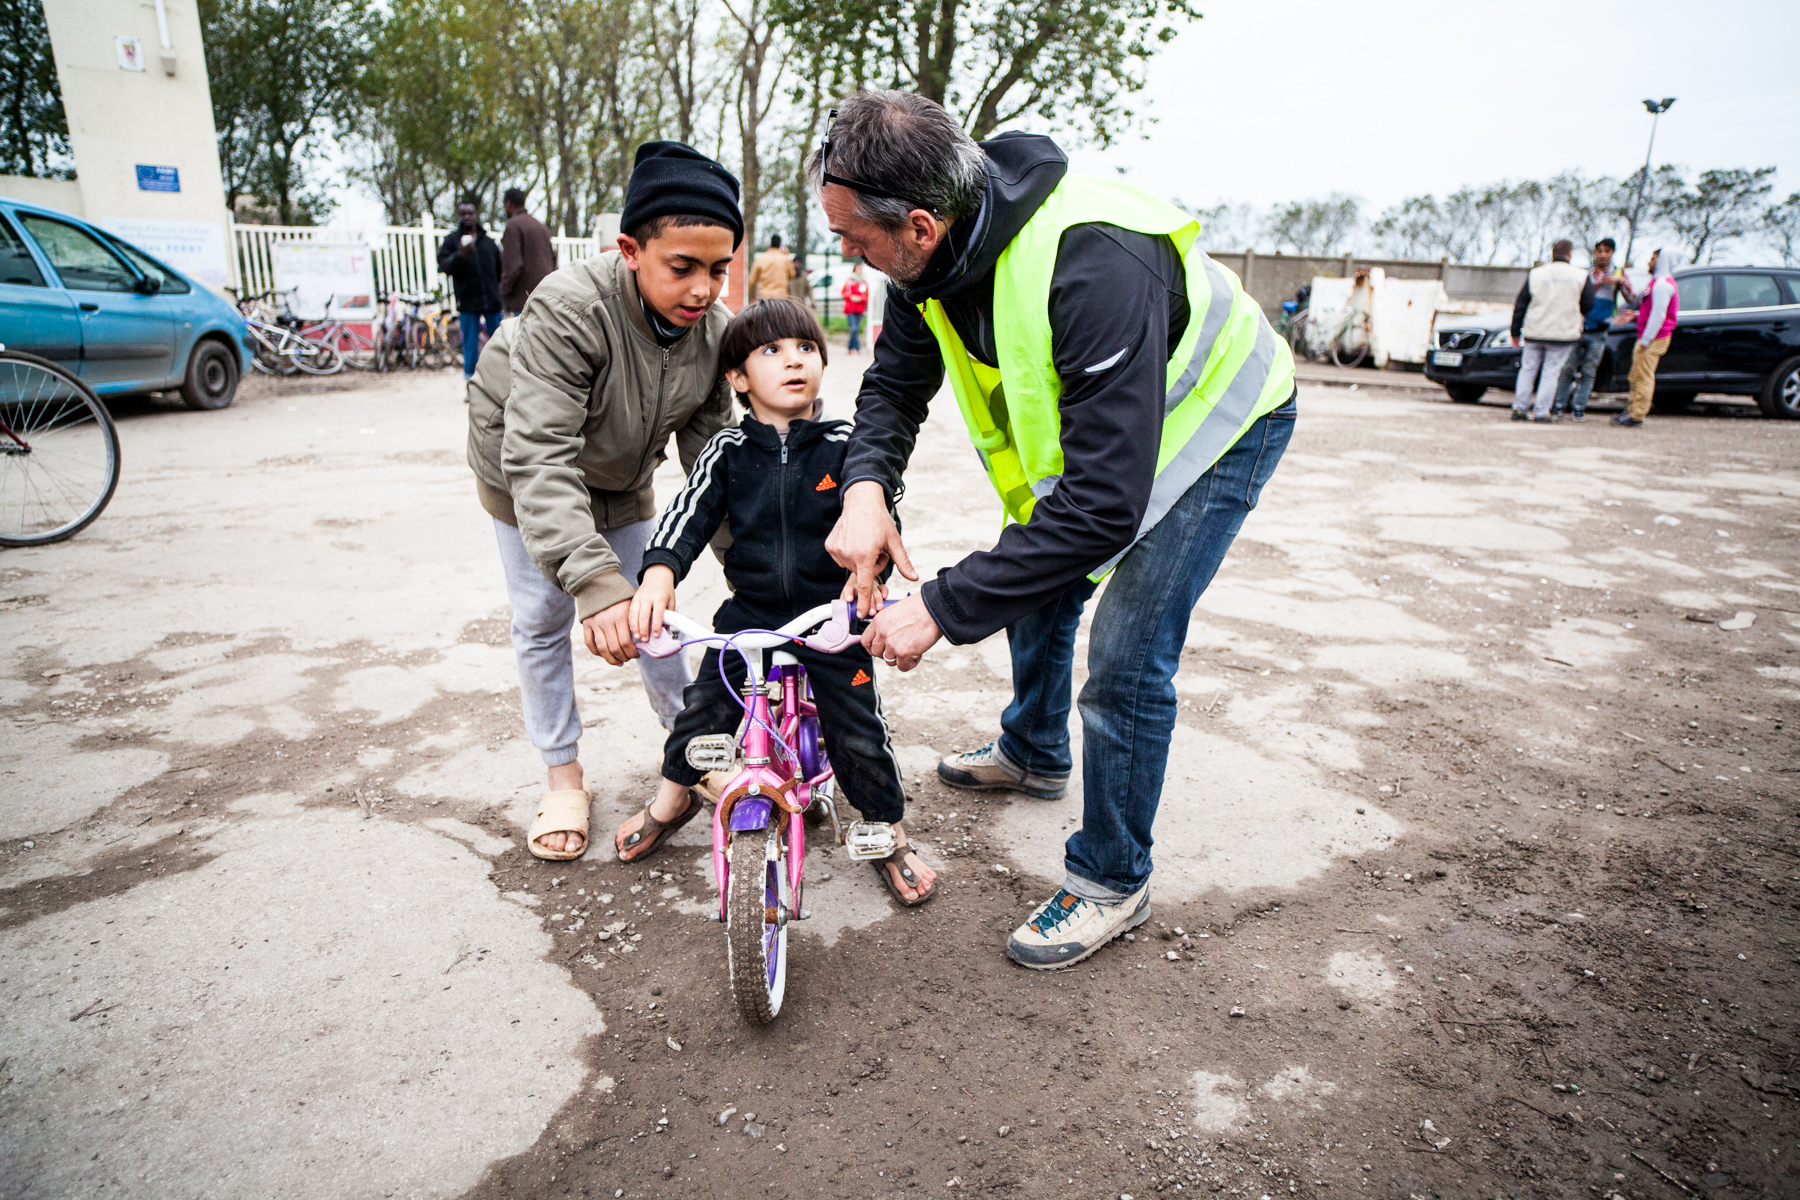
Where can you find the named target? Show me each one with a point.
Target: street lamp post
(1656, 109)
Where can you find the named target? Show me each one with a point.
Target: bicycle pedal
(712, 752)
(870, 840)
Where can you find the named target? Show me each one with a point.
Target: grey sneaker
(988, 770)
(1066, 928)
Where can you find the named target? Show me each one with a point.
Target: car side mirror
(149, 285)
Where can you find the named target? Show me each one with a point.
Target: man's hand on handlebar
(655, 596)
(608, 634)
(901, 633)
(864, 539)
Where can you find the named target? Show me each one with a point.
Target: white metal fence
(404, 256)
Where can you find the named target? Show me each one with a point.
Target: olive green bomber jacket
(572, 416)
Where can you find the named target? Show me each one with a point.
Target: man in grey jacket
(1548, 316)
(570, 411)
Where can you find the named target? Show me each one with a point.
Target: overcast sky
(1272, 100)
(1268, 101)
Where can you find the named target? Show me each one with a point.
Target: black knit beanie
(669, 179)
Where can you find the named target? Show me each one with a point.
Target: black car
(1738, 334)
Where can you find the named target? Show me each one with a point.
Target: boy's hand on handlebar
(655, 596)
(608, 634)
(863, 540)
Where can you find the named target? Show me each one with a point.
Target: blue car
(111, 314)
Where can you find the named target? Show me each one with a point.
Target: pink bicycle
(779, 774)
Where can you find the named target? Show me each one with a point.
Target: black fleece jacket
(1118, 303)
(782, 499)
(475, 274)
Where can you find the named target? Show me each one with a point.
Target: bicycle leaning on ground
(780, 775)
(345, 340)
(59, 452)
(277, 348)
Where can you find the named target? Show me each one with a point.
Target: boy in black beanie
(570, 411)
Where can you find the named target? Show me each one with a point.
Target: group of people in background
(1560, 321)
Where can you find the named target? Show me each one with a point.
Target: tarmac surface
(1477, 858)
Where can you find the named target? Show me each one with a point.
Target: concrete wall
(62, 194)
(160, 116)
(1272, 278)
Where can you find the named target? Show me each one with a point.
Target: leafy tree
(1318, 226)
(1720, 207)
(1782, 224)
(437, 126)
(283, 73)
(754, 95)
(34, 139)
(1073, 64)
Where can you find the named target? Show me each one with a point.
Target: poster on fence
(331, 279)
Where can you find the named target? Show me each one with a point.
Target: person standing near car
(1657, 311)
(472, 261)
(1576, 383)
(856, 304)
(526, 255)
(1548, 316)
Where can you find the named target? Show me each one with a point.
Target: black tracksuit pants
(854, 731)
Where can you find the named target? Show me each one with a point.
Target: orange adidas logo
(826, 484)
(860, 677)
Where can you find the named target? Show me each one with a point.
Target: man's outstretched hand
(864, 539)
(608, 634)
(901, 633)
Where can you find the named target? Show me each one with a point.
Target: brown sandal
(654, 830)
(898, 859)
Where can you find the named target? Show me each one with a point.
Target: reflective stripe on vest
(1228, 370)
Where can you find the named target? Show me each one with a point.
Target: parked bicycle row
(408, 330)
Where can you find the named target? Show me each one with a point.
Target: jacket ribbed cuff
(659, 557)
(599, 592)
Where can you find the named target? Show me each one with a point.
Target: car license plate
(1447, 358)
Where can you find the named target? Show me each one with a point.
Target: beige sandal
(564, 811)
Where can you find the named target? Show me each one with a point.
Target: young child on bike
(776, 478)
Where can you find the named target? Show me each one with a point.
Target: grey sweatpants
(543, 614)
(1540, 367)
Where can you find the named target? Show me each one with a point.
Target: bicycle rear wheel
(757, 946)
(317, 358)
(59, 452)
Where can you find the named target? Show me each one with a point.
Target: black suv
(1738, 334)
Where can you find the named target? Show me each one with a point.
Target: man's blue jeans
(1134, 649)
(1578, 373)
(471, 331)
(854, 321)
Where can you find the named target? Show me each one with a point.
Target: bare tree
(682, 44)
(1317, 226)
(755, 92)
(1781, 222)
(1720, 207)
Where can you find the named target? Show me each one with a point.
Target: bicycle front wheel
(59, 452)
(755, 938)
(319, 359)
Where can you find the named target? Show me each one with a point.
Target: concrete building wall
(121, 120)
(62, 194)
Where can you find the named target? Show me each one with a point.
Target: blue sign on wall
(158, 179)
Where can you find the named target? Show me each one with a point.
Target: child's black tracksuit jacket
(782, 498)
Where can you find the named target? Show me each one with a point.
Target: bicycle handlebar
(836, 632)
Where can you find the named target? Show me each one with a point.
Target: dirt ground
(1477, 861)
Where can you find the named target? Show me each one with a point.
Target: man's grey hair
(908, 145)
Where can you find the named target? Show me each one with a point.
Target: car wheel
(1780, 394)
(212, 377)
(1671, 402)
(1465, 393)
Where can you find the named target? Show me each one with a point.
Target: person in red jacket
(856, 303)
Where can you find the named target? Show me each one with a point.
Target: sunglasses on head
(867, 189)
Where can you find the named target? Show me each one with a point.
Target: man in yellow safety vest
(1128, 401)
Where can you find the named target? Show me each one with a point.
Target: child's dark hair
(768, 321)
(655, 227)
